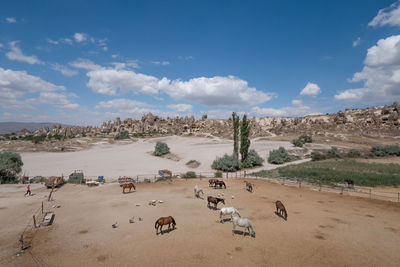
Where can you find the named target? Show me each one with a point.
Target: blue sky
(82, 62)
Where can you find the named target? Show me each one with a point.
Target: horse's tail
(156, 225)
(173, 220)
(237, 213)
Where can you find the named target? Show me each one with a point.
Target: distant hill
(15, 127)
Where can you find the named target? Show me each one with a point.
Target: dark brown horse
(219, 184)
(349, 182)
(280, 209)
(129, 186)
(164, 221)
(215, 201)
(249, 187)
(212, 181)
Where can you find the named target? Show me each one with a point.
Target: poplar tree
(244, 138)
(236, 123)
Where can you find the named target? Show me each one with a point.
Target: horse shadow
(128, 192)
(202, 198)
(225, 220)
(240, 232)
(167, 231)
(212, 207)
(251, 191)
(280, 215)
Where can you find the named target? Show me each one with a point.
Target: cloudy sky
(82, 62)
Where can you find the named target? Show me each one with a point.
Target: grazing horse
(164, 221)
(215, 201)
(130, 186)
(197, 191)
(249, 187)
(212, 181)
(349, 182)
(219, 184)
(226, 211)
(246, 223)
(280, 209)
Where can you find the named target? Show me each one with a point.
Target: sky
(84, 62)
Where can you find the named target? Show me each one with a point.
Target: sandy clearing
(322, 228)
(133, 159)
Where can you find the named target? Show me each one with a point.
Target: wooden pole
(342, 190)
(34, 221)
(370, 195)
(42, 207)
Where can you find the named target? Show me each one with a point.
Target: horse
(280, 209)
(215, 201)
(164, 221)
(249, 187)
(246, 223)
(197, 191)
(349, 182)
(219, 184)
(226, 211)
(212, 181)
(130, 185)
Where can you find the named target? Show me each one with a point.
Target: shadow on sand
(280, 215)
(167, 231)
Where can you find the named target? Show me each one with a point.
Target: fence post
(342, 190)
(236, 175)
(398, 197)
(370, 195)
(42, 206)
(34, 221)
(320, 186)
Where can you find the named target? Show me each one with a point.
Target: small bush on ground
(161, 149)
(122, 135)
(279, 156)
(315, 156)
(252, 160)
(189, 175)
(218, 175)
(10, 167)
(38, 139)
(333, 153)
(353, 153)
(227, 163)
(305, 139)
(193, 163)
(384, 151)
(297, 142)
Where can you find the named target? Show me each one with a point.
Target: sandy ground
(323, 229)
(113, 160)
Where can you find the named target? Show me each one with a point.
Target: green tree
(10, 166)
(236, 123)
(244, 138)
(161, 149)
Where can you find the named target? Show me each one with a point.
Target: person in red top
(28, 190)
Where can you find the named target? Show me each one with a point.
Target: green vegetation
(305, 139)
(193, 163)
(315, 156)
(189, 175)
(279, 156)
(252, 160)
(227, 163)
(236, 123)
(333, 153)
(244, 138)
(218, 174)
(353, 153)
(336, 171)
(384, 151)
(10, 166)
(161, 149)
(122, 135)
(297, 142)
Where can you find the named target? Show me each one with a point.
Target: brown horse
(130, 185)
(280, 209)
(215, 201)
(164, 221)
(349, 182)
(219, 184)
(212, 181)
(249, 187)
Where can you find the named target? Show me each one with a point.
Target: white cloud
(16, 54)
(181, 107)
(1, 45)
(381, 74)
(121, 104)
(161, 63)
(11, 20)
(357, 42)
(66, 41)
(63, 69)
(389, 16)
(115, 56)
(297, 102)
(51, 41)
(297, 110)
(311, 89)
(80, 37)
(59, 100)
(82, 63)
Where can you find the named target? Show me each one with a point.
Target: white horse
(197, 191)
(246, 223)
(226, 211)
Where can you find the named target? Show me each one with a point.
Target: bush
(189, 175)
(278, 156)
(333, 153)
(253, 159)
(315, 156)
(305, 139)
(297, 142)
(122, 135)
(227, 163)
(161, 149)
(10, 166)
(218, 175)
(38, 139)
(383, 151)
(392, 150)
(353, 153)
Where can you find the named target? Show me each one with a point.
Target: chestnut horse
(280, 209)
(130, 185)
(212, 181)
(249, 187)
(215, 201)
(164, 221)
(219, 184)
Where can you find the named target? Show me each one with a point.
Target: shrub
(161, 149)
(297, 142)
(227, 163)
(382, 151)
(193, 163)
(305, 139)
(189, 175)
(38, 139)
(278, 156)
(122, 135)
(315, 156)
(353, 153)
(218, 175)
(10, 166)
(333, 153)
(253, 159)
(392, 150)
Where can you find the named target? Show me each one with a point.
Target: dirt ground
(323, 229)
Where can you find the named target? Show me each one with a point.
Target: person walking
(28, 190)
